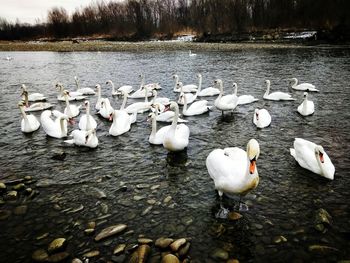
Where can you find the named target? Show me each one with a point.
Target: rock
(89, 231)
(42, 236)
(4, 214)
(60, 156)
(279, 239)
(11, 195)
(110, 231)
(138, 197)
(258, 226)
(220, 254)
(131, 247)
(56, 245)
(320, 249)
(146, 211)
(141, 186)
(119, 249)
(28, 178)
(58, 257)
(40, 255)
(141, 254)
(19, 187)
(163, 242)
(167, 199)
(322, 220)
(177, 244)
(233, 216)
(91, 224)
(76, 260)
(232, 261)
(170, 258)
(119, 259)
(151, 201)
(2, 187)
(28, 191)
(20, 210)
(99, 193)
(91, 254)
(184, 250)
(144, 240)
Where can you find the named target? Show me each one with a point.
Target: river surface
(165, 195)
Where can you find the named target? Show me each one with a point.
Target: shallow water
(131, 172)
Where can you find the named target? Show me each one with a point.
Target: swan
(156, 137)
(278, 95)
(176, 137)
(140, 106)
(87, 122)
(262, 118)
(243, 99)
(99, 98)
(33, 96)
(140, 93)
(225, 103)
(307, 107)
(121, 122)
(312, 157)
(234, 170)
(37, 106)
(196, 108)
(133, 116)
(29, 123)
(83, 91)
(192, 54)
(166, 116)
(84, 138)
(302, 86)
(150, 86)
(207, 91)
(160, 100)
(126, 88)
(70, 110)
(190, 97)
(74, 95)
(185, 88)
(106, 108)
(56, 128)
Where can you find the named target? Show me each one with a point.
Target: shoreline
(98, 45)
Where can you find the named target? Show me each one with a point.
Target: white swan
(70, 110)
(243, 99)
(278, 95)
(140, 93)
(37, 106)
(312, 157)
(150, 86)
(207, 91)
(74, 95)
(87, 122)
(56, 128)
(133, 116)
(140, 106)
(302, 86)
(261, 118)
(84, 138)
(185, 88)
(126, 88)
(160, 100)
(196, 108)
(33, 96)
(156, 137)
(165, 116)
(189, 96)
(99, 98)
(121, 122)
(234, 170)
(29, 123)
(307, 107)
(176, 138)
(83, 91)
(192, 54)
(225, 103)
(106, 108)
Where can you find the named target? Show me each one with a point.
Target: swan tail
(292, 152)
(69, 141)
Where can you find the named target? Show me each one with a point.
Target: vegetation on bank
(209, 20)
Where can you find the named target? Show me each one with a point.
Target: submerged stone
(40, 255)
(91, 254)
(220, 254)
(58, 257)
(57, 245)
(163, 242)
(110, 231)
(119, 249)
(170, 258)
(4, 214)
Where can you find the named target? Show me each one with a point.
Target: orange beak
(252, 166)
(321, 158)
(110, 117)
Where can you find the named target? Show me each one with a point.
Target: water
(127, 168)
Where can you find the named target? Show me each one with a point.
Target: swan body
(87, 122)
(206, 92)
(243, 99)
(183, 88)
(84, 138)
(157, 137)
(190, 97)
(160, 100)
(73, 95)
(307, 107)
(225, 103)
(83, 91)
(106, 108)
(278, 95)
(121, 122)
(29, 123)
(140, 106)
(234, 170)
(313, 158)
(33, 96)
(126, 88)
(196, 108)
(262, 118)
(192, 54)
(140, 93)
(54, 128)
(37, 106)
(70, 110)
(303, 86)
(149, 86)
(176, 137)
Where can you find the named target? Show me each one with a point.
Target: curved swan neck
(176, 82)
(113, 87)
(21, 108)
(267, 89)
(77, 83)
(142, 81)
(98, 93)
(221, 88)
(295, 82)
(199, 83)
(125, 98)
(184, 109)
(146, 94)
(88, 110)
(154, 126)
(305, 104)
(176, 117)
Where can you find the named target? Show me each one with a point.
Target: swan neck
(184, 109)
(77, 83)
(98, 93)
(235, 89)
(305, 104)
(125, 98)
(199, 84)
(176, 82)
(146, 93)
(113, 88)
(62, 126)
(295, 82)
(176, 117)
(154, 126)
(23, 113)
(267, 89)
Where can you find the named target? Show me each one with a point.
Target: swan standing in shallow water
(278, 95)
(243, 99)
(234, 170)
(156, 137)
(56, 128)
(225, 103)
(33, 96)
(29, 123)
(196, 108)
(307, 107)
(37, 106)
(313, 158)
(176, 138)
(126, 88)
(83, 91)
(84, 138)
(87, 122)
(262, 118)
(302, 86)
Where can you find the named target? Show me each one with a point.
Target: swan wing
(246, 99)
(305, 155)
(209, 92)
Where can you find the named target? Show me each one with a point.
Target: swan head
(199, 75)
(154, 93)
(256, 112)
(267, 82)
(218, 83)
(23, 87)
(319, 153)
(98, 86)
(86, 104)
(76, 78)
(253, 152)
(175, 77)
(59, 86)
(305, 95)
(172, 106)
(109, 82)
(151, 116)
(295, 80)
(111, 116)
(88, 135)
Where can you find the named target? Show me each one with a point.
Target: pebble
(167, 199)
(4, 214)
(89, 231)
(91, 224)
(20, 210)
(110, 231)
(28, 177)
(2, 187)
(119, 259)
(141, 186)
(220, 254)
(146, 211)
(232, 261)
(163, 242)
(99, 193)
(184, 249)
(138, 197)
(42, 236)
(19, 187)
(320, 249)
(177, 244)
(234, 216)
(151, 201)
(258, 226)
(119, 249)
(76, 260)
(91, 254)
(141, 254)
(170, 258)
(58, 257)
(57, 245)
(145, 240)
(28, 191)
(40, 255)
(279, 239)
(11, 195)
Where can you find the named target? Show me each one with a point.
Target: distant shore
(101, 45)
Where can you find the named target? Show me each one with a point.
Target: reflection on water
(126, 180)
